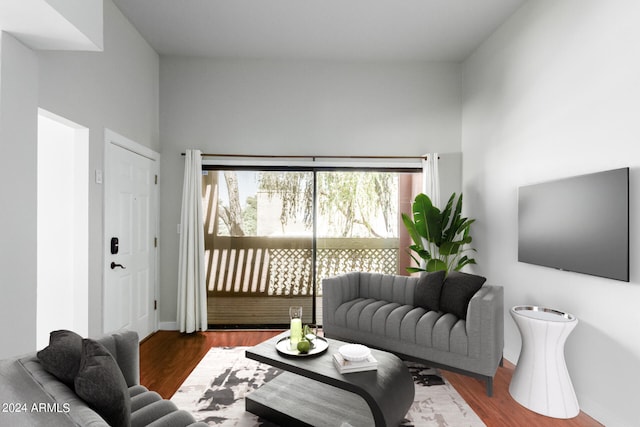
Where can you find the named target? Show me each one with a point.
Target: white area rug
(214, 393)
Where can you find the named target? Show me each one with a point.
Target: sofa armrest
(485, 326)
(337, 290)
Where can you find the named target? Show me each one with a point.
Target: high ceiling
(426, 30)
(49, 25)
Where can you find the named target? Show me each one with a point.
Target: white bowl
(354, 352)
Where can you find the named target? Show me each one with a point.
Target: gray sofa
(33, 397)
(379, 310)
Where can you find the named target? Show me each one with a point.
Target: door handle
(114, 265)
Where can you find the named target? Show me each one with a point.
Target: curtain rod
(273, 156)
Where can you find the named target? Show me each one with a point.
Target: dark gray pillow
(457, 290)
(102, 386)
(61, 358)
(428, 288)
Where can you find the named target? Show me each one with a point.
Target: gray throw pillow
(457, 290)
(102, 386)
(61, 358)
(428, 288)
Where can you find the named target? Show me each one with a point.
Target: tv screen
(578, 224)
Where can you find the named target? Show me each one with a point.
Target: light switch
(98, 176)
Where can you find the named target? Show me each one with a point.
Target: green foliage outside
(350, 201)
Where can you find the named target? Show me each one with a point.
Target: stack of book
(345, 366)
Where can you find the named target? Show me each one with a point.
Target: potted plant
(439, 236)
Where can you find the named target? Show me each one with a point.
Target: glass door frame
(212, 166)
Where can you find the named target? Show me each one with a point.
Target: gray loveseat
(33, 397)
(380, 310)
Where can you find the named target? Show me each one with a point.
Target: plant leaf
(450, 248)
(434, 227)
(420, 251)
(412, 229)
(464, 225)
(446, 213)
(420, 208)
(439, 236)
(464, 261)
(435, 264)
(452, 228)
(415, 259)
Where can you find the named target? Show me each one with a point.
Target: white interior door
(130, 237)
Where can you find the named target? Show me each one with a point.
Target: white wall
(86, 15)
(555, 93)
(54, 24)
(293, 107)
(115, 89)
(18, 137)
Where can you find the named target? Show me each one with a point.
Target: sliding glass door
(357, 216)
(271, 236)
(258, 248)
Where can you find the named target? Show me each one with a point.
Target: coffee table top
(320, 367)
(388, 390)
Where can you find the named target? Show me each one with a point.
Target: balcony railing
(282, 266)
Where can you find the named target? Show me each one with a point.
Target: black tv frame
(578, 224)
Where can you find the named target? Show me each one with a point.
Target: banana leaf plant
(439, 237)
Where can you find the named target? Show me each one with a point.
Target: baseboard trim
(168, 326)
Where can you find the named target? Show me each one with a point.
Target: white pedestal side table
(541, 381)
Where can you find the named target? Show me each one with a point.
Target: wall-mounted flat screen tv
(578, 224)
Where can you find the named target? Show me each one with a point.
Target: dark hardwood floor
(167, 358)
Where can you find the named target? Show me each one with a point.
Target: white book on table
(347, 366)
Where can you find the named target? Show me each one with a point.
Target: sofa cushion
(152, 412)
(428, 289)
(457, 290)
(61, 358)
(102, 386)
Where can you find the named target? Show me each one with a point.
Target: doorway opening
(62, 226)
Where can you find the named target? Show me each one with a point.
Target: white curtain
(192, 292)
(431, 178)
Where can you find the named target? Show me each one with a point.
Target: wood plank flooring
(167, 358)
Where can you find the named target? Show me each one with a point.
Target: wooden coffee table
(311, 392)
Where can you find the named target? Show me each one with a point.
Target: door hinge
(155, 304)
(155, 242)
(156, 179)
